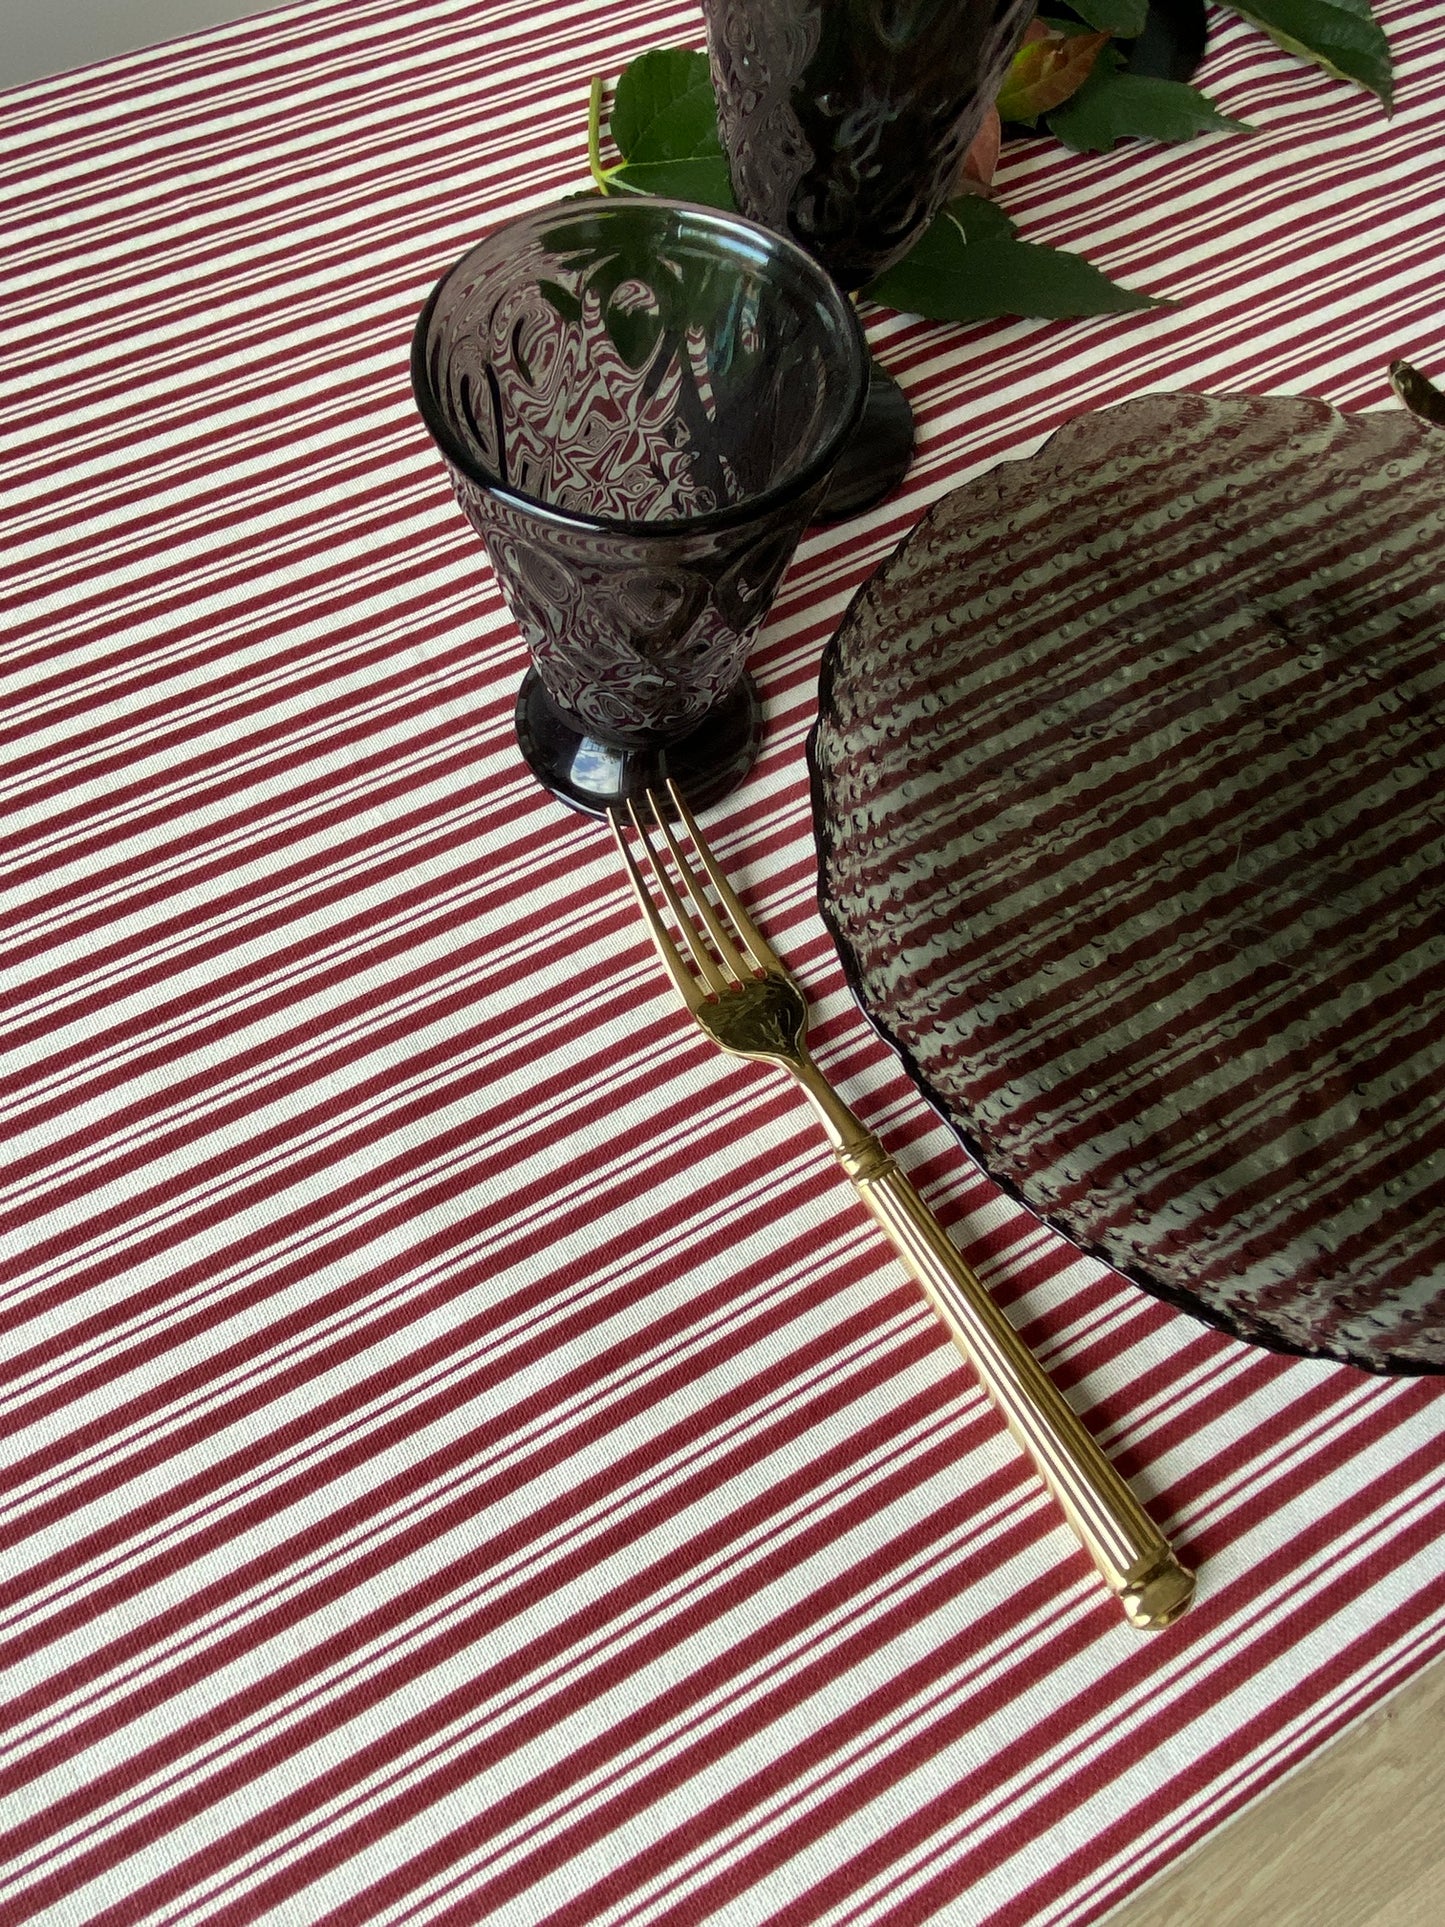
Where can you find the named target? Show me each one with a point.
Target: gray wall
(39, 37)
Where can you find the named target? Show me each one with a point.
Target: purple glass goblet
(640, 403)
(845, 124)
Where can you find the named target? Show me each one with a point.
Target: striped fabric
(466, 1456)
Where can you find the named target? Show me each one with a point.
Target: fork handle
(1129, 1550)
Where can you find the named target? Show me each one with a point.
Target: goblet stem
(592, 776)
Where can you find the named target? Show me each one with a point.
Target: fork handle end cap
(1156, 1596)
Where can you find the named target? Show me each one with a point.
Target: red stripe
(328, 801)
(1140, 1737)
(823, 1816)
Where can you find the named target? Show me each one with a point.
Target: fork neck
(857, 1150)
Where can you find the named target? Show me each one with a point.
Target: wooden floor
(1354, 1839)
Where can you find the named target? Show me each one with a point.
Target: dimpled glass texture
(639, 403)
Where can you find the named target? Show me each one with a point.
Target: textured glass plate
(1129, 778)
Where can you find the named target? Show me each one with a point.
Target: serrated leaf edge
(1384, 94)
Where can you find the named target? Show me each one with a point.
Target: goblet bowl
(640, 403)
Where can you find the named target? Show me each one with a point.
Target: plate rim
(1265, 1338)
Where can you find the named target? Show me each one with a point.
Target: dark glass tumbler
(640, 403)
(845, 124)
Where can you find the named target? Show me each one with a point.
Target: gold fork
(743, 997)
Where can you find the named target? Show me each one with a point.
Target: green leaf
(1112, 105)
(1123, 17)
(978, 219)
(1050, 66)
(970, 266)
(1342, 36)
(635, 332)
(639, 294)
(562, 299)
(664, 108)
(703, 179)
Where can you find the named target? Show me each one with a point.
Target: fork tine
(724, 939)
(706, 964)
(754, 942)
(688, 987)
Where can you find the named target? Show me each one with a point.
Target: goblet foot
(591, 775)
(877, 458)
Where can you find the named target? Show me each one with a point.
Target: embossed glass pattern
(639, 403)
(846, 121)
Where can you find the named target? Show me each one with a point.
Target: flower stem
(594, 136)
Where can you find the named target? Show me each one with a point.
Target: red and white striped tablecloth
(466, 1455)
